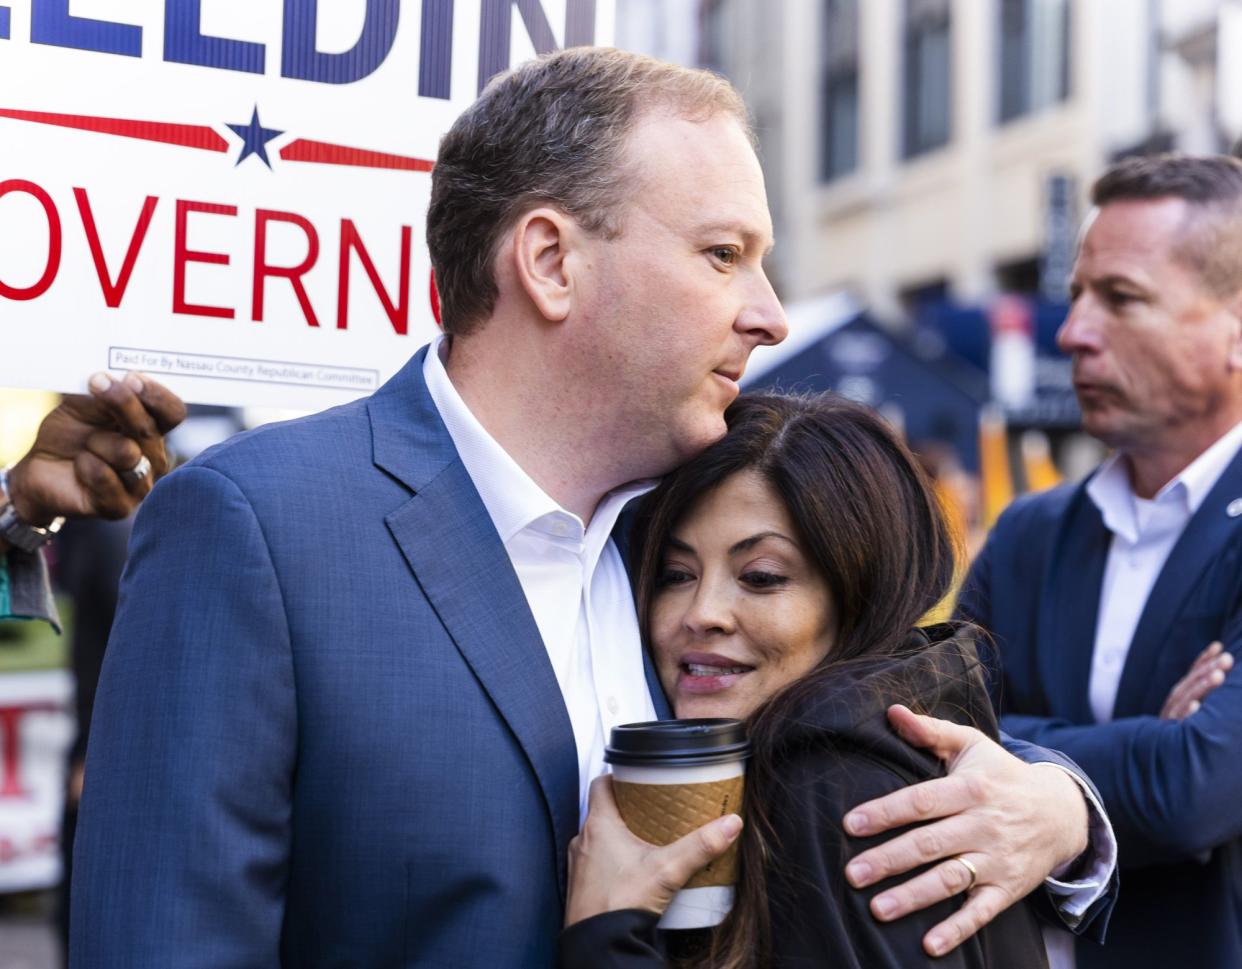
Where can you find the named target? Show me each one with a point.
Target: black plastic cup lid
(678, 743)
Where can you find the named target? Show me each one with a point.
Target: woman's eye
(764, 580)
(672, 576)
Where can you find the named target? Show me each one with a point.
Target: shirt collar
(1111, 491)
(512, 499)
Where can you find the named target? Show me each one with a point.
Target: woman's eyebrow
(681, 546)
(749, 543)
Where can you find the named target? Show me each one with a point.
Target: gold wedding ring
(974, 872)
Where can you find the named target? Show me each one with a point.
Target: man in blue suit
(1101, 595)
(365, 662)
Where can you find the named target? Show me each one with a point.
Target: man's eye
(726, 254)
(672, 576)
(764, 580)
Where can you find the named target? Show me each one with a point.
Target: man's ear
(542, 239)
(1235, 346)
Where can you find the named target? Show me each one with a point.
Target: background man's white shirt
(1144, 533)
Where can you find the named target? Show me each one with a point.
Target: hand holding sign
(88, 449)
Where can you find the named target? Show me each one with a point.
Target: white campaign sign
(230, 194)
(36, 730)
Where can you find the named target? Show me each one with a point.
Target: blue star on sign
(254, 138)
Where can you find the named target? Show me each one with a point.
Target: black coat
(837, 752)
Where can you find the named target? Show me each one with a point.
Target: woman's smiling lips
(709, 673)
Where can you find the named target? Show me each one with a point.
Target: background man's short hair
(1211, 240)
(550, 132)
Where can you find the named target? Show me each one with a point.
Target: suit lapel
(621, 536)
(1203, 542)
(1067, 622)
(449, 541)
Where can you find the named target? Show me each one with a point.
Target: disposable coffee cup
(671, 777)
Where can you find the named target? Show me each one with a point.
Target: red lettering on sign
(399, 314)
(53, 244)
(183, 255)
(292, 273)
(10, 746)
(113, 293)
(434, 297)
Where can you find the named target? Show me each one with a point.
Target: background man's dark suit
(1173, 789)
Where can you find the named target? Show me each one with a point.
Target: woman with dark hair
(781, 576)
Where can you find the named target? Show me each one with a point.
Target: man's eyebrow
(1118, 279)
(750, 236)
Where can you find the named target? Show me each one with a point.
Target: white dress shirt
(573, 577)
(1144, 533)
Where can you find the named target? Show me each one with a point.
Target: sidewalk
(27, 940)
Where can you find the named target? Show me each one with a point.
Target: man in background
(1101, 596)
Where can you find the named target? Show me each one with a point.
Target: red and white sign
(36, 729)
(230, 195)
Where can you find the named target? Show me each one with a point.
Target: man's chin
(703, 435)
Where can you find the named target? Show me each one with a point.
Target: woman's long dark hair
(869, 522)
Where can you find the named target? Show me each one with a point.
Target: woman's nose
(710, 610)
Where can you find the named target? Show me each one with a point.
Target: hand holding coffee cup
(611, 868)
(670, 778)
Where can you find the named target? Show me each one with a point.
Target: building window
(926, 110)
(838, 89)
(1033, 46)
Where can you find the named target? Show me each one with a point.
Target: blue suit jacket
(1172, 789)
(327, 731)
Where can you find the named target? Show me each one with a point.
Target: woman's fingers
(678, 862)
(611, 868)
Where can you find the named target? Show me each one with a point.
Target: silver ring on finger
(138, 473)
(974, 872)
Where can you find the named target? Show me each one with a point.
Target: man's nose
(763, 317)
(1079, 331)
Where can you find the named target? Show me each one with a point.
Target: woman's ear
(541, 242)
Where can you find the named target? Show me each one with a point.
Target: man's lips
(1089, 388)
(709, 673)
(730, 379)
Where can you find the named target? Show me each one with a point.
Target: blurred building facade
(918, 150)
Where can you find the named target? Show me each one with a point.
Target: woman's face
(739, 611)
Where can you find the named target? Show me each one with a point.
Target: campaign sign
(230, 195)
(36, 730)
